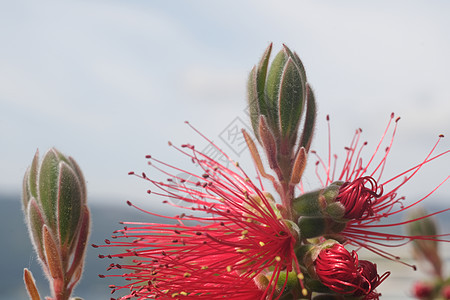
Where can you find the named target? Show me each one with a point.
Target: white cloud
(121, 77)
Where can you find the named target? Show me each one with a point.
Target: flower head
(56, 212)
(367, 198)
(229, 239)
(422, 290)
(357, 198)
(446, 292)
(342, 272)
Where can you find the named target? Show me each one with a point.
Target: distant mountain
(17, 252)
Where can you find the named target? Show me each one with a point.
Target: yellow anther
(204, 267)
(183, 293)
(228, 268)
(174, 295)
(304, 292)
(300, 276)
(187, 275)
(261, 244)
(244, 232)
(277, 258)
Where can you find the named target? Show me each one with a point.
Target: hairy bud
(57, 217)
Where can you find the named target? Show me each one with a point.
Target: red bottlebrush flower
(357, 198)
(342, 272)
(368, 199)
(446, 292)
(422, 290)
(230, 243)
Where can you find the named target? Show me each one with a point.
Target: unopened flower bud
(280, 102)
(422, 290)
(446, 292)
(319, 213)
(316, 203)
(342, 200)
(54, 203)
(342, 272)
(279, 94)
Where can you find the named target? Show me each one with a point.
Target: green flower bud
(280, 93)
(310, 204)
(318, 212)
(57, 217)
(280, 102)
(320, 203)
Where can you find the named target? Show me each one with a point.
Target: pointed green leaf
(80, 243)
(35, 222)
(61, 157)
(298, 62)
(253, 101)
(80, 177)
(261, 75)
(69, 203)
(33, 175)
(255, 90)
(310, 119)
(272, 89)
(291, 99)
(26, 195)
(48, 186)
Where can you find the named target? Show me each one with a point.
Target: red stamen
(234, 234)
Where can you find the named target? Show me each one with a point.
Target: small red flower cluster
(343, 273)
(367, 199)
(233, 244)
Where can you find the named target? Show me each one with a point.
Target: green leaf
(291, 99)
(272, 89)
(255, 90)
(48, 186)
(33, 175)
(26, 195)
(253, 101)
(261, 75)
(80, 243)
(310, 119)
(70, 202)
(297, 61)
(35, 221)
(80, 177)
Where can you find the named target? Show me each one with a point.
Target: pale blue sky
(110, 81)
